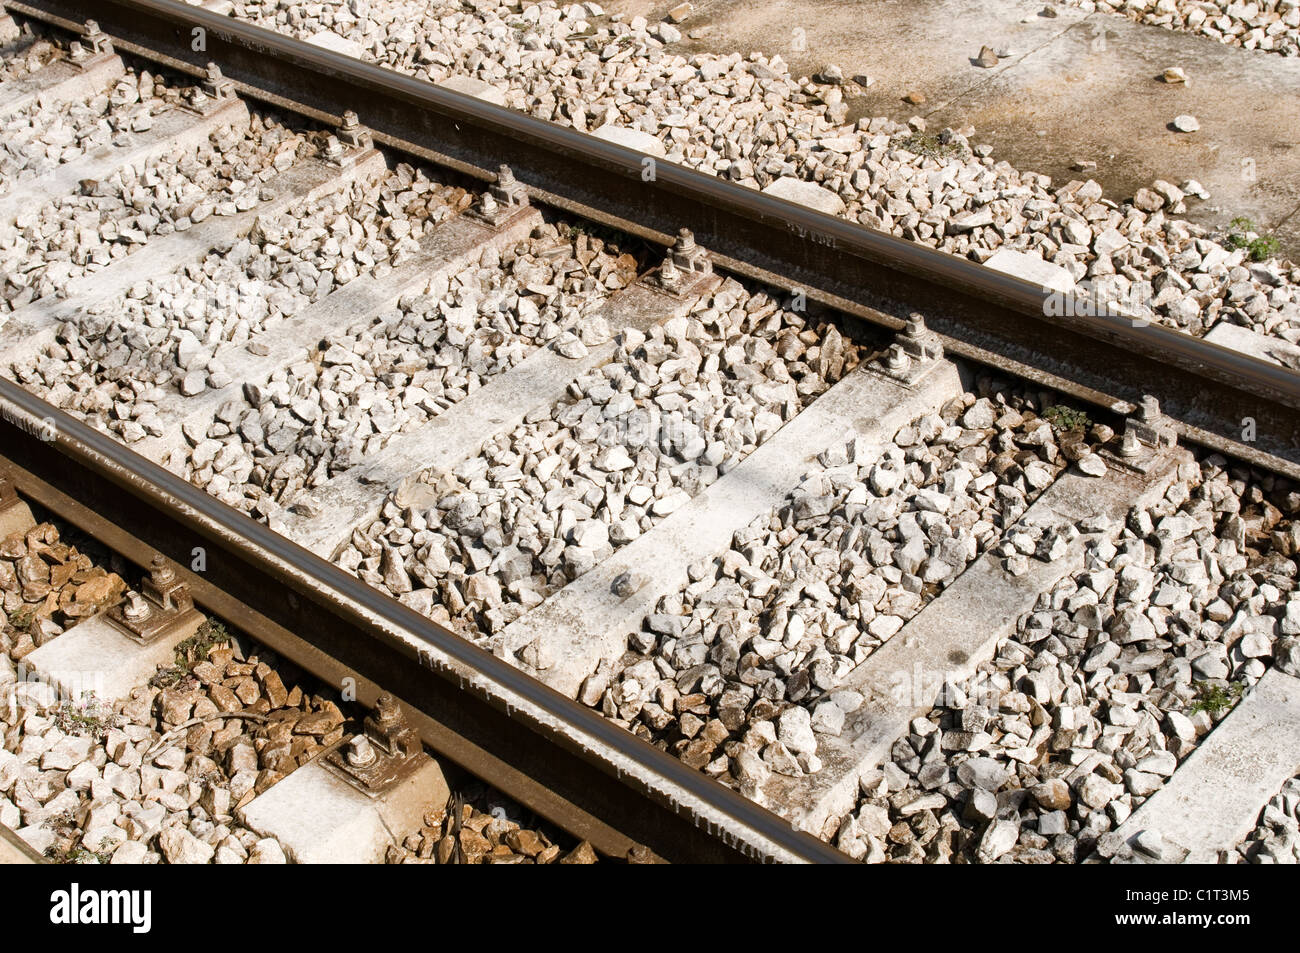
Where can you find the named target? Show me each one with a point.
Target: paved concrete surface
(1076, 86)
(1214, 798)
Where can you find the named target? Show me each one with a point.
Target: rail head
(1213, 394)
(684, 815)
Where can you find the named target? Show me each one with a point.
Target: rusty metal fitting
(918, 341)
(359, 752)
(94, 41)
(216, 85)
(332, 150)
(502, 200)
(668, 277)
(352, 134)
(387, 751)
(688, 256)
(1129, 445)
(136, 609)
(508, 190)
(1149, 426)
(162, 605)
(389, 729)
(896, 358)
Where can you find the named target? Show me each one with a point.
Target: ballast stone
(1031, 268)
(470, 86)
(631, 138)
(807, 194)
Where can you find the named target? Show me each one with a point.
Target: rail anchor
(503, 199)
(386, 752)
(163, 606)
(683, 265)
(93, 47)
(915, 350)
(1146, 434)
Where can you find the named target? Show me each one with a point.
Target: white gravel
(1276, 839)
(317, 418)
(1103, 690)
(27, 59)
(107, 220)
(810, 590)
(88, 782)
(1269, 25)
(747, 119)
(112, 363)
(37, 140)
(540, 506)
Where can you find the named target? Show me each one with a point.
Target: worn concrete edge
(15, 850)
(1214, 799)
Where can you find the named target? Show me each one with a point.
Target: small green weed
(198, 646)
(1066, 419)
(22, 618)
(930, 145)
(1214, 699)
(1259, 248)
(190, 653)
(89, 717)
(83, 855)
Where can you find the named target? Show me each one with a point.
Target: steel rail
(1214, 394)
(560, 758)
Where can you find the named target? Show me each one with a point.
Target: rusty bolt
(1129, 446)
(360, 752)
(161, 572)
(136, 608)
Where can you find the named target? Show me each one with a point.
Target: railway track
(563, 470)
